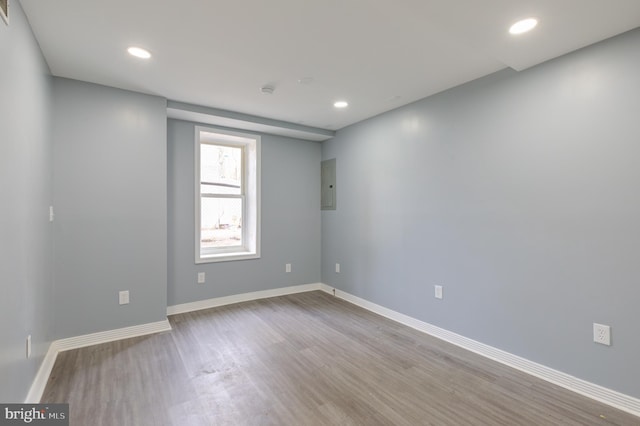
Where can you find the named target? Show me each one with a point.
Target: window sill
(227, 257)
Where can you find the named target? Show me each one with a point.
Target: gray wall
(290, 221)
(110, 184)
(25, 194)
(519, 194)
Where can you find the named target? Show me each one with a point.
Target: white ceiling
(376, 54)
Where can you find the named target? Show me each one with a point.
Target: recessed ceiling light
(341, 104)
(523, 26)
(139, 52)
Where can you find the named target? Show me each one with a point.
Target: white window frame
(250, 144)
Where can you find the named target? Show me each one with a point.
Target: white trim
(112, 335)
(591, 390)
(250, 193)
(42, 377)
(237, 298)
(57, 346)
(227, 257)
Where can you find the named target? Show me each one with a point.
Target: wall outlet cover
(602, 334)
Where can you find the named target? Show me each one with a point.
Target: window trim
(250, 144)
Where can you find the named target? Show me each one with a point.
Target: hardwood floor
(304, 359)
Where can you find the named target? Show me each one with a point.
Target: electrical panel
(328, 182)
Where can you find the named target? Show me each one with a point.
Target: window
(227, 195)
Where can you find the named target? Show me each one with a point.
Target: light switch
(438, 292)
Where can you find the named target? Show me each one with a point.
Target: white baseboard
(42, 376)
(591, 390)
(237, 298)
(112, 335)
(40, 381)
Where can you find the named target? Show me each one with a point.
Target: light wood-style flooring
(304, 359)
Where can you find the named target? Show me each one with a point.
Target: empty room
(303, 212)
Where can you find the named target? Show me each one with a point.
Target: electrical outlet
(28, 346)
(287, 267)
(602, 334)
(438, 292)
(337, 268)
(201, 277)
(123, 297)
(51, 214)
